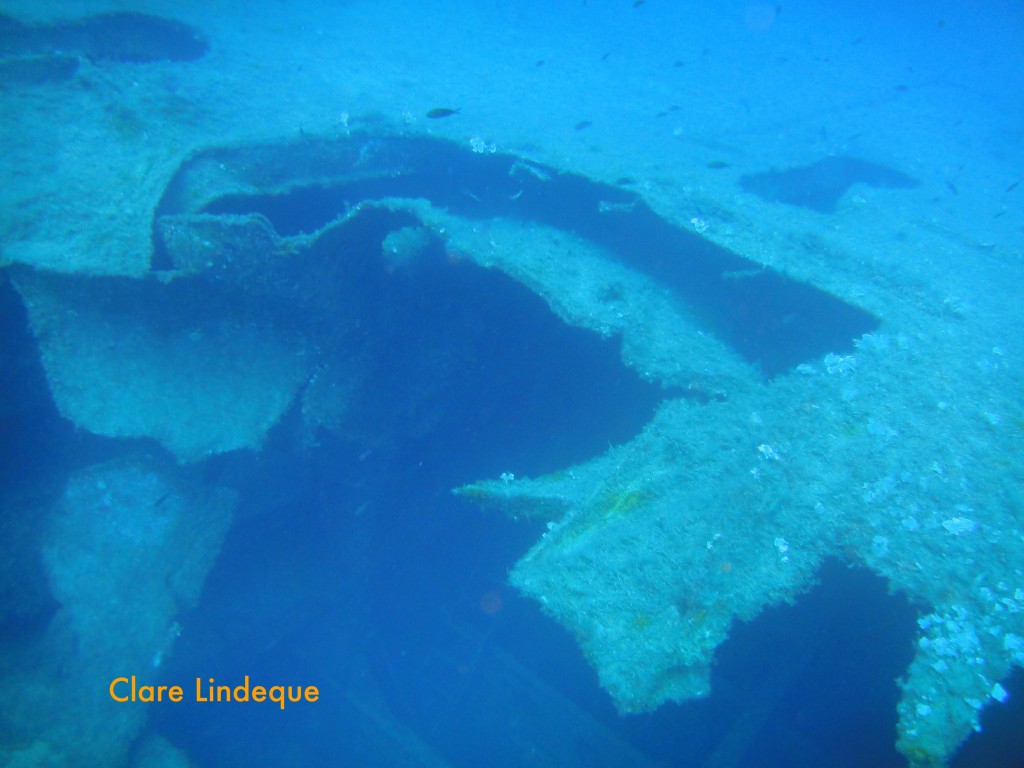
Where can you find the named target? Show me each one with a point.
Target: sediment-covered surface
(210, 219)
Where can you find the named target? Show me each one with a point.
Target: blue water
(383, 606)
(351, 566)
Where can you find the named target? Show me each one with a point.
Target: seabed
(210, 222)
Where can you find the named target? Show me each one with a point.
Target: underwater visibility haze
(583, 384)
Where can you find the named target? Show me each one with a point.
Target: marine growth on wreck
(327, 362)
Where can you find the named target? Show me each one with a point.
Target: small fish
(717, 165)
(638, 3)
(583, 124)
(439, 112)
(1014, 185)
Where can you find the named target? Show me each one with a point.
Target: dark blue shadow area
(33, 453)
(38, 447)
(1000, 743)
(353, 566)
(392, 613)
(29, 425)
(476, 377)
(771, 320)
(136, 38)
(800, 686)
(821, 686)
(821, 185)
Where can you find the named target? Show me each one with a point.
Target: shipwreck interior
(549, 387)
(773, 321)
(351, 564)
